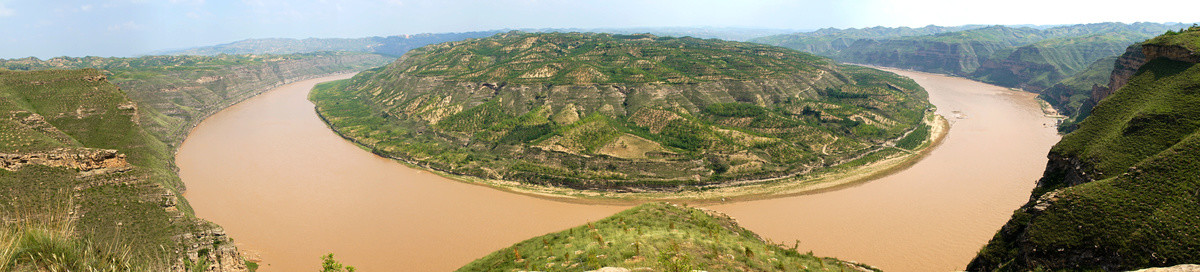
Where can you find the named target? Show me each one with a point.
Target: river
(288, 189)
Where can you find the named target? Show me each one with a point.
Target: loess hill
(1122, 191)
(624, 112)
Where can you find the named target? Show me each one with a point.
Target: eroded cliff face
(1136, 56)
(938, 57)
(1124, 69)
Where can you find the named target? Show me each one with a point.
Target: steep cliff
(72, 153)
(622, 112)
(1123, 191)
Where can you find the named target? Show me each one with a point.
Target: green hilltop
(657, 237)
(625, 113)
(1185, 38)
(1121, 192)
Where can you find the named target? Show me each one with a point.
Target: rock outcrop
(82, 159)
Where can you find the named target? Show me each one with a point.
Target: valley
(599, 136)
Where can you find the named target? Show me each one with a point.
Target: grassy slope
(1142, 147)
(125, 208)
(1185, 38)
(658, 236)
(497, 134)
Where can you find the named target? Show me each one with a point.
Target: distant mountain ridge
(391, 45)
(397, 45)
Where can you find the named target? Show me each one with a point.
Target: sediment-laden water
(285, 186)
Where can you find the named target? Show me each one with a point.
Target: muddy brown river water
(288, 189)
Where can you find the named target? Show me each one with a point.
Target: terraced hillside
(657, 237)
(1123, 191)
(72, 150)
(625, 113)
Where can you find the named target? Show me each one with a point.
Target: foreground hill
(1034, 59)
(657, 237)
(86, 156)
(1123, 191)
(625, 112)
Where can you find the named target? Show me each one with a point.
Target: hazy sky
(47, 28)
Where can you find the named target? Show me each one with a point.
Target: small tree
(328, 264)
